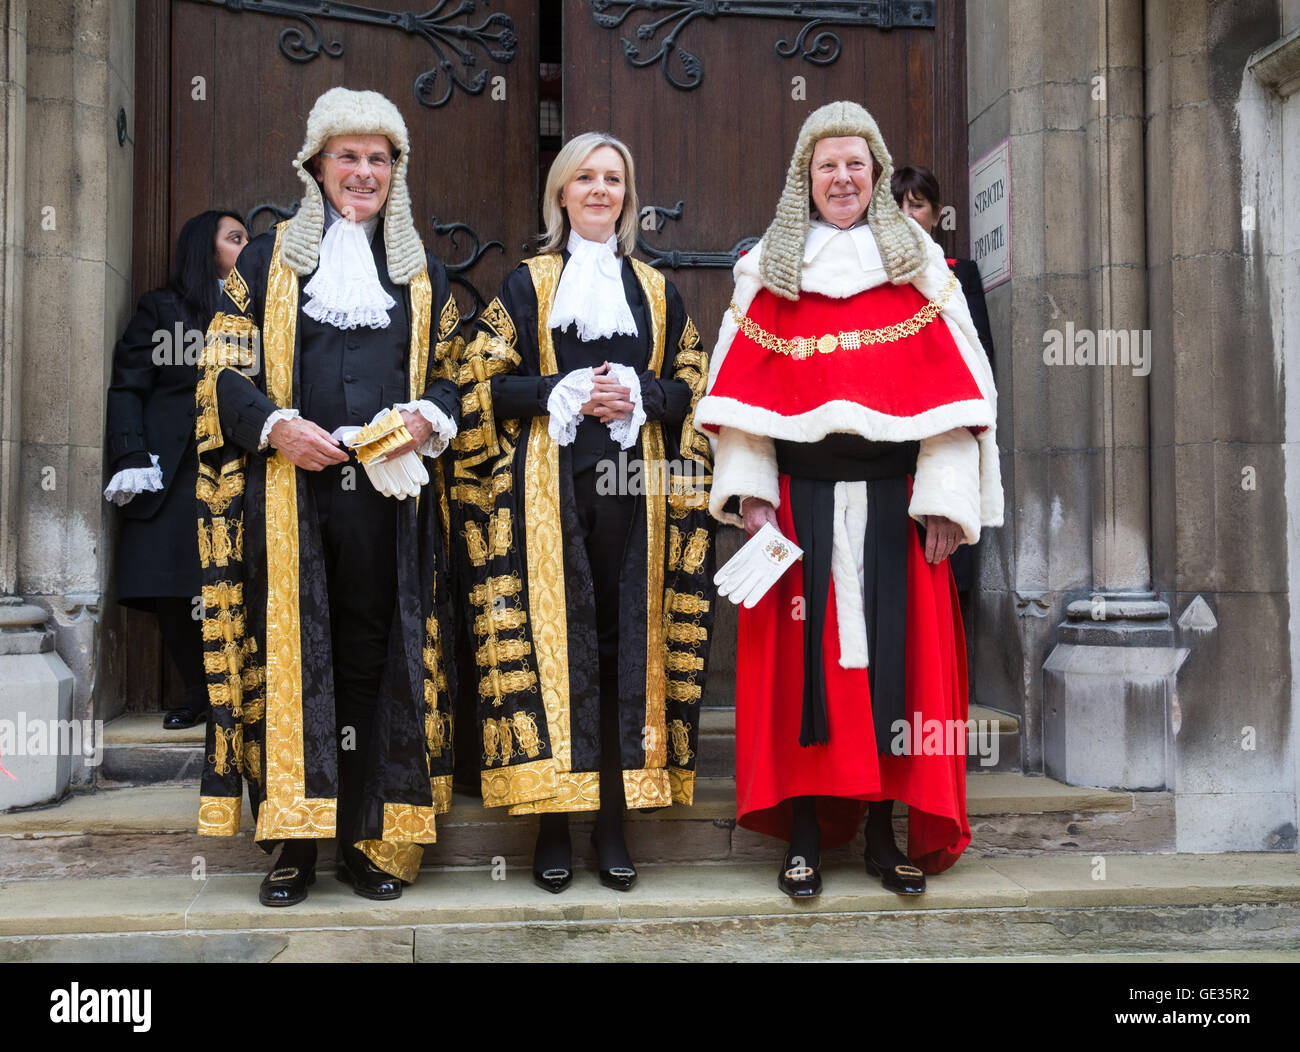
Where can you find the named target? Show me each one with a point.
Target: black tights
(805, 835)
(554, 850)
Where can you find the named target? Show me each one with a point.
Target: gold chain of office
(805, 346)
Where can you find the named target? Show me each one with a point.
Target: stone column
(1062, 81)
(1218, 490)
(75, 299)
(13, 168)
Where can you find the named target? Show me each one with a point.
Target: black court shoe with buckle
(800, 882)
(553, 880)
(286, 885)
(366, 879)
(616, 878)
(903, 879)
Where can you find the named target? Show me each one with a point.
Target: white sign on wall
(990, 215)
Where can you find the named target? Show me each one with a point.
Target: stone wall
(1217, 415)
(1063, 81)
(73, 300)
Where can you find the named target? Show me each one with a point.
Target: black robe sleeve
(133, 379)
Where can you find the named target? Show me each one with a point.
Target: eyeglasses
(380, 162)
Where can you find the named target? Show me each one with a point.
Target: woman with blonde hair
(580, 494)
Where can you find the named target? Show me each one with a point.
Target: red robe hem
(772, 767)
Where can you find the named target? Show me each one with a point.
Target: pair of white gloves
(398, 476)
(748, 574)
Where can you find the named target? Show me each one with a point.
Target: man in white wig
(855, 412)
(325, 593)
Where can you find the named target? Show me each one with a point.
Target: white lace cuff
(626, 431)
(271, 421)
(444, 428)
(129, 481)
(565, 404)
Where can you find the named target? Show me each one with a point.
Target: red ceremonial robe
(901, 390)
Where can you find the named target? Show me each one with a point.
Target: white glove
(748, 574)
(399, 477)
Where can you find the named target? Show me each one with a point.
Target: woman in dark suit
(150, 445)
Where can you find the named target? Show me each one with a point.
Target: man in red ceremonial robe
(855, 411)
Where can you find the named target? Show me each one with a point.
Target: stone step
(1046, 906)
(150, 830)
(137, 751)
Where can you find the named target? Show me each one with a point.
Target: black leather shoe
(616, 878)
(286, 885)
(182, 719)
(366, 879)
(619, 878)
(903, 879)
(553, 880)
(800, 882)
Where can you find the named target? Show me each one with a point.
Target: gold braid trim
(219, 815)
(441, 789)
(574, 791)
(519, 783)
(287, 812)
(804, 346)
(682, 784)
(401, 860)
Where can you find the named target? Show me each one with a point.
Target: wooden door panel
(722, 148)
(473, 160)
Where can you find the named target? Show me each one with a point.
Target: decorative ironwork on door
(822, 49)
(452, 41)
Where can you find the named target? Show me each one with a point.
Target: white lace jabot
(345, 290)
(590, 294)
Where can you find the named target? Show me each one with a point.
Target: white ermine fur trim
(947, 480)
(848, 571)
(743, 466)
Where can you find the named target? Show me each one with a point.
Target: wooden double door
(708, 94)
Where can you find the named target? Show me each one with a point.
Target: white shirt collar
(331, 215)
(576, 241)
(820, 233)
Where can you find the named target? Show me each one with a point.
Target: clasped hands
(610, 400)
(309, 446)
(942, 535)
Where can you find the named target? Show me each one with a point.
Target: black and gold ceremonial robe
(266, 630)
(531, 599)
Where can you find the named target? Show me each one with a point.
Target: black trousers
(605, 520)
(358, 532)
(182, 638)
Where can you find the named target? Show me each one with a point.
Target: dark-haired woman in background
(916, 190)
(150, 445)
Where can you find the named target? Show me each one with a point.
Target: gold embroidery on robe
(236, 289)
